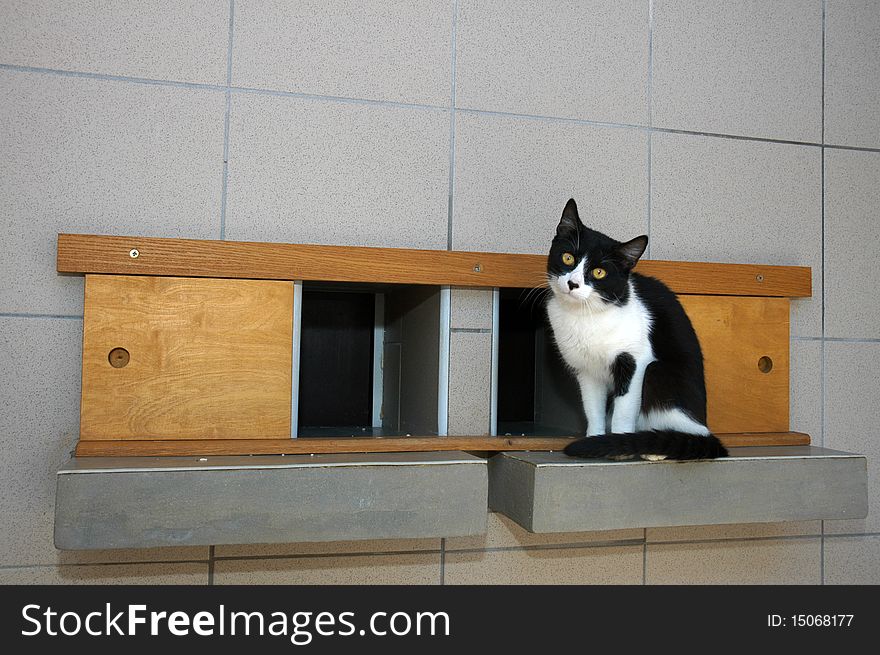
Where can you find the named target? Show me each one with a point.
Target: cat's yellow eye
(598, 273)
(567, 258)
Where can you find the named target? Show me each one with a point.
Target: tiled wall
(744, 131)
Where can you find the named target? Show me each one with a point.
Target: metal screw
(759, 278)
(477, 268)
(133, 253)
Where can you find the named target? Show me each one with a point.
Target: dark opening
(336, 359)
(518, 321)
(537, 394)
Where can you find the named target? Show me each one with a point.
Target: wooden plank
(207, 359)
(376, 445)
(80, 253)
(735, 334)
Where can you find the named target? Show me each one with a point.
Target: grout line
(555, 119)
(721, 540)
(229, 45)
(211, 566)
(650, 115)
(822, 353)
(645, 557)
(405, 105)
(111, 78)
(330, 554)
(225, 185)
(834, 535)
(837, 339)
(650, 189)
(472, 330)
(614, 543)
(451, 192)
(442, 561)
(121, 563)
(341, 99)
(856, 148)
(30, 315)
(651, 62)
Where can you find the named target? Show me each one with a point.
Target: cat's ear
(570, 221)
(631, 250)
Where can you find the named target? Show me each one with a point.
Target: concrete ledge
(137, 502)
(550, 492)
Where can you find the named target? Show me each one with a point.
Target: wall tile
(306, 171)
(852, 230)
(362, 569)
(805, 389)
(327, 548)
(589, 565)
(771, 561)
(470, 374)
(110, 574)
(852, 394)
(740, 67)
(585, 60)
(398, 50)
(186, 43)
(104, 158)
(852, 73)
(502, 532)
(513, 176)
(471, 309)
(852, 560)
(724, 200)
(734, 531)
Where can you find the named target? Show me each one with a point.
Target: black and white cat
(631, 347)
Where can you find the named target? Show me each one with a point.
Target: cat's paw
(654, 458)
(621, 458)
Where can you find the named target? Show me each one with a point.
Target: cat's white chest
(590, 341)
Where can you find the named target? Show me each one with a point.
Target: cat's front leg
(627, 378)
(594, 396)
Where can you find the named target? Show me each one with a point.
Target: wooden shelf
(81, 253)
(101, 448)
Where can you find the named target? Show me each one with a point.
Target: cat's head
(586, 267)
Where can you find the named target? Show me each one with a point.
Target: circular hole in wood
(765, 364)
(118, 357)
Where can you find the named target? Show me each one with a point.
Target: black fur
(675, 445)
(675, 380)
(622, 372)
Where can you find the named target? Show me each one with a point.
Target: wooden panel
(79, 253)
(208, 359)
(735, 333)
(377, 445)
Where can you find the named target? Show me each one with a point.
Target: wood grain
(735, 333)
(376, 445)
(209, 358)
(79, 253)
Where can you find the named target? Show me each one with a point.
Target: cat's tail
(660, 443)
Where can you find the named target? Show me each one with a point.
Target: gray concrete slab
(163, 501)
(550, 492)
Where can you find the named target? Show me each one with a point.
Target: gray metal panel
(412, 318)
(175, 501)
(550, 492)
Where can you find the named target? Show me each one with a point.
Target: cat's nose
(572, 285)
